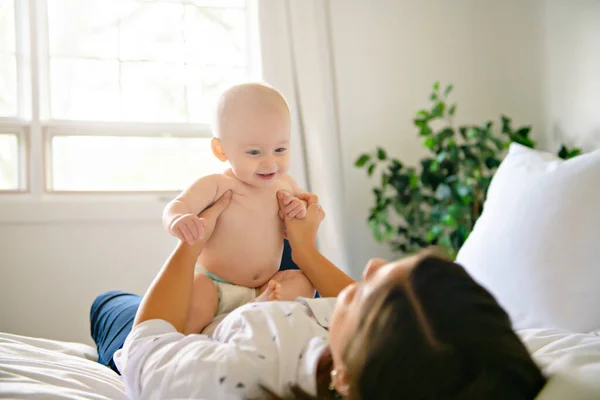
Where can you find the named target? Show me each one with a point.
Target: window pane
(153, 31)
(9, 162)
(108, 163)
(128, 60)
(85, 89)
(153, 92)
(84, 28)
(7, 27)
(215, 36)
(204, 86)
(8, 85)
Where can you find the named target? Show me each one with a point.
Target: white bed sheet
(32, 368)
(572, 360)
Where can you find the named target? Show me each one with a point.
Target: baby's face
(256, 144)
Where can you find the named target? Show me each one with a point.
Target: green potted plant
(439, 202)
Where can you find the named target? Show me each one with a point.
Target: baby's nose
(267, 162)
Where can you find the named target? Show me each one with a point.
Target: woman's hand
(210, 217)
(169, 295)
(302, 233)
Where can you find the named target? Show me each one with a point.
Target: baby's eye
(253, 152)
(280, 150)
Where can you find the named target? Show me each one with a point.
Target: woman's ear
(217, 149)
(340, 381)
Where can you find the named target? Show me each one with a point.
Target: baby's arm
(180, 217)
(294, 207)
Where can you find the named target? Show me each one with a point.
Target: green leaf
(425, 131)
(371, 169)
(448, 90)
(385, 179)
(423, 113)
(438, 109)
(436, 85)
(452, 109)
(395, 167)
(414, 181)
(362, 160)
(449, 220)
(441, 157)
(445, 133)
(381, 154)
(433, 233)
(524, 131)
(492, 162)
(454, 210)
(462, 190)
(574, 153)
(472, 133)
(444, 241)
(563, 152)
(433, 96)
(525, 141)
(443, 192)
(429, 142)
(505, 124)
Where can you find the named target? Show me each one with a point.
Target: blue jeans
(113, 312)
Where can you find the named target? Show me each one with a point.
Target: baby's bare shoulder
(287, 183)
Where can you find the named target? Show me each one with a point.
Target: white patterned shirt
(273, 344)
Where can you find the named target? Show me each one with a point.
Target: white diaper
(230, 296)
(233, 296)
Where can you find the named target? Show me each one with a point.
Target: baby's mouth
(266, 177)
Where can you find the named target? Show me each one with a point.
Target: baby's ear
(217, 149)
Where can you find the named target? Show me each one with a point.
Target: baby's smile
(267, 177)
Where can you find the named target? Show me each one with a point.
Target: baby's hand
(187, 228)
(294, 207)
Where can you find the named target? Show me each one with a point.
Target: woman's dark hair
(438, 335)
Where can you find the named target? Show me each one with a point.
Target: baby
(240, 261)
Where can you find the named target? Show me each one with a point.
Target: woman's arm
(328, 279)
(168, 297)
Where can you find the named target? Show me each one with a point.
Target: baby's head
(252, 131)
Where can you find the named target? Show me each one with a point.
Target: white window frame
(21, 131)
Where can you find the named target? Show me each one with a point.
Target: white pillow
(536, 246)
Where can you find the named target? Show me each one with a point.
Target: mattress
(32, 368)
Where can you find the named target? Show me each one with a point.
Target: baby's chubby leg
(204, 304)
(293, 284)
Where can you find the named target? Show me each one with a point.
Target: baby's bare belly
(246, 247)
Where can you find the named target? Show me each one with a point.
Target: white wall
(388, 53)
(53, 268)
(571, 67)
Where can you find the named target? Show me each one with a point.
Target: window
(123, 90)
(113, 163)
(9, 162)
(8, 61)
(140, 60)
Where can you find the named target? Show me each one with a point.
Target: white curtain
(297, 59)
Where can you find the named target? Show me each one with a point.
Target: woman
(419, 328)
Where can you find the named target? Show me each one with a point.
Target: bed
(48, 369)
(32, 368)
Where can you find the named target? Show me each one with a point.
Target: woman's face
(345, 318)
